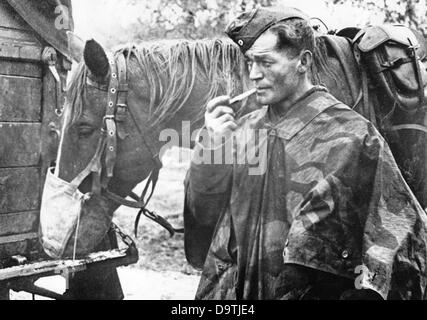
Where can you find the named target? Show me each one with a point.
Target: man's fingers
(225, 118)
(215, 102)
(219, 117)
(229, 125)
(221, 110)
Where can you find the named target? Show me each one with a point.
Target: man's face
(274, 74)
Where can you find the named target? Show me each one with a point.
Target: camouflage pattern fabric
(332, 200)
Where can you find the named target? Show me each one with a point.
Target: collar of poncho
(302, 112)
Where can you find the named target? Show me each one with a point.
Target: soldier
(329, 216)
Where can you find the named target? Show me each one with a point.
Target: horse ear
(96, 59)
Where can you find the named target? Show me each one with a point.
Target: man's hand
(219, 120)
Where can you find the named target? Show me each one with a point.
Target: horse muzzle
(71, 223)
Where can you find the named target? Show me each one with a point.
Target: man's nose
(255, 72)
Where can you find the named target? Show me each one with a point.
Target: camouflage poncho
(331, 199)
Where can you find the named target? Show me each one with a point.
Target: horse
(130, 98)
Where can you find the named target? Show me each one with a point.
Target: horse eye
(85, 131)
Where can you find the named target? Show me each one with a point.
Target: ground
(162, 273)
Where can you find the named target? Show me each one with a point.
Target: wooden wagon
(32, 81)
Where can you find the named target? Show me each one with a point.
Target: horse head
(104, 150)
(89, 102)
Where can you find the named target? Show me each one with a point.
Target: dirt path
(137, 284)
(151, 285)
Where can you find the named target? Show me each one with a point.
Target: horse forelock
(173, 68)
(76, 92)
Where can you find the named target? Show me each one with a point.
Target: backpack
(393, 56)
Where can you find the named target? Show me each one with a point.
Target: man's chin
(263, 100)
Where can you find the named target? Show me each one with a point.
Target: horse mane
(171, 68)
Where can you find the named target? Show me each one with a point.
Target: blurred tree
(190, 19)
(195, 19)
(408, 12)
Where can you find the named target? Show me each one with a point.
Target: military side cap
(248, 26)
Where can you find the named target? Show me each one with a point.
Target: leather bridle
(116, 113)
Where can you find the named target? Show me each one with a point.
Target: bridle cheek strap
(110, 152)
(116, 112)
(109, 120)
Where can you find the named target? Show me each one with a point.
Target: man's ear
(305, 61)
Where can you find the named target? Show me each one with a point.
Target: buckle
(412, 49)
(104, 121)
(109, 117)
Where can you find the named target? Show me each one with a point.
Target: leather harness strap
(416, 59)
(113, 127)
(367, 105)
(409, 126)
(368, 109)
(121, 108)
(109, 120)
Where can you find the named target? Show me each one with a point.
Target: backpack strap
(386, 50)
(413, 55)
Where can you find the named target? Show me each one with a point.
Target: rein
(116, 113)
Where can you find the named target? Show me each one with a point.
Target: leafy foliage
(194, 19)
(190, 19)
(408, 12)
